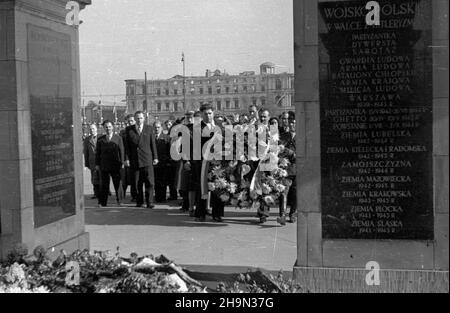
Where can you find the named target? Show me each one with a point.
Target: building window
(219, 105)
(278, 84)
(254, 101)
(132, 90)
(253, 88)
(210, 90)
(175, 92)
(218, 90)
(244, 88)
(236, 104)
(158, 92)
(228, 104)
(236, 89)
(263, 101)
(167, 92)
(175, 106)
(167, 106)
(192, 90)
(200, 90)
(158, 106)
(263, 88)
(227, 89)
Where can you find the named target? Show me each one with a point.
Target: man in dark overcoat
(89, 147)
(141, 155)
(109, 160)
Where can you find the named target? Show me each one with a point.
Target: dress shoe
(292, 219)
(119, 203)
(133, 200)
(281, 220)
(218, 219)
(149, 206)
(262, 220)
(93, 197)
(191, 213)
(200, 219)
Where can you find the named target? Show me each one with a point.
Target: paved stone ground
(233, 246)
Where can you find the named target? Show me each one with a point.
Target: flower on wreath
(242, 196)
(281, 172)
(221, 183)
(245, 169)
(279, 188)
(266, 189)
(245, 204)
(271, 181)
(218, 171)
(224, 197)
(256, 205)
(232, 187)
(232, 178)
(211, 186)
(269, 200)
(245, 184)
(234, 202)
(283, 162)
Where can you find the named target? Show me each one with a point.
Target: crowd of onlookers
(137, 155)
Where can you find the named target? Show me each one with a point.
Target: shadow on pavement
(167, 214)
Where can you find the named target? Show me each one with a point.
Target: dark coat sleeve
(98, 152)
(86, 152)
(125, 145)
(122, 150)
(153, 146)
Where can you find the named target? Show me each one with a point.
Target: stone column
(335, 259)
(41, 186)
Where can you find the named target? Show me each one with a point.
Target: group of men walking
(127, 158)
(140, 157)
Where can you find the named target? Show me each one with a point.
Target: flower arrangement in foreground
(105, 272)
(268, 182)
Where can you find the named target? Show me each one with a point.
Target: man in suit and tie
(141, 155)
(109, 160)
(89, 148)
(162, 170)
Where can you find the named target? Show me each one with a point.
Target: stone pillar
(332, 254)
(41, 186)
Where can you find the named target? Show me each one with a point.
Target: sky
(122, 39)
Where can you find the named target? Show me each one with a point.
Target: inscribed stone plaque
(376, 120)
(50, 87)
